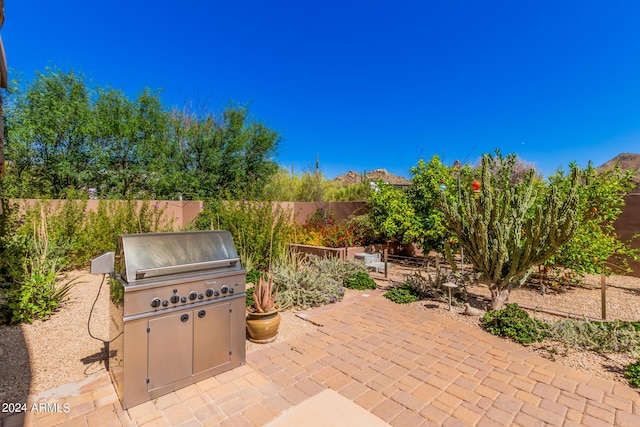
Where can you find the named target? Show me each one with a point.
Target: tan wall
(178, 213)
(628, 224)
(342, 210)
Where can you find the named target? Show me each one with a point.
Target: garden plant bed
(44, 355)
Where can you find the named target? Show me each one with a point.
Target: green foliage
(285, 186)
(63, 133)
(249, 299)
(403, 294)
(602, 337)
(75, 234)
(596, 248)
(514, 224)
(311, 281)
(253, 276)
(360, 281)
(515, 323)
(36, 290)
(47, 131)
(633, 374)
(426, 188)
(392, 214)
(211, 156)
(260, 229)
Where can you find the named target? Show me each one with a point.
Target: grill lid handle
(183, 268)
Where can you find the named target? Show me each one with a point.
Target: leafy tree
(47, 131)
(61, 134)
(127, 142)
(230, 153)
(392, 214)
(596, 248)
(429, 182)
(505, 232)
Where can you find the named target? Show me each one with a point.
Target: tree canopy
(62, 134)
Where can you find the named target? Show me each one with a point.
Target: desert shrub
(633, 374)
(307, 282)
(602, 337)
(403, 294)
(335, 268)
(515, 323)
(429, 285)
(35, 289)
(360, 280)
(260, 229)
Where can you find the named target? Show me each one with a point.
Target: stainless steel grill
(177, 312)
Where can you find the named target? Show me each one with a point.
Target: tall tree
(505, 233)
(229, 153)
(429, 181)
(128, 142)
(47, 132)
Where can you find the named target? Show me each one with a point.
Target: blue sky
(366, 84)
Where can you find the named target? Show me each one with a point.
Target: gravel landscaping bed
(45, 355)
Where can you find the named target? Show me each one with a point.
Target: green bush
(633, 374)
(35, 290)
(260, 230)
(515, 323)
(403, 294)
(249, 298)
(253, 276)
(603, 337)
(40, 241)
(360, 280)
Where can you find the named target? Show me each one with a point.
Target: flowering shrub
(321, 229)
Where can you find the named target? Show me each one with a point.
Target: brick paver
(408, 367)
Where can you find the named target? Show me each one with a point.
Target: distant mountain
(353, 178)
(627, 161)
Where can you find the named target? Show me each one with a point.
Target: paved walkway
(405, 366)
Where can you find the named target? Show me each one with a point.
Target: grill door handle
(202, 313)
(184, 317)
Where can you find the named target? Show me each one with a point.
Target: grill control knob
(183, 299)
(224, 289)
(193, 295)
(209, 292)
(230, 290)
(174, 299)
(200, 296)
(155, 303)
(216, 293)
(165, 303)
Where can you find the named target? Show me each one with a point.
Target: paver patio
(408, 367)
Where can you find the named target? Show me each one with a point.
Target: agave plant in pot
(263, 317)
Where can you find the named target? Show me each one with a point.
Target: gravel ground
(44, 355)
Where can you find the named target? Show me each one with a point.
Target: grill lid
(149, 255)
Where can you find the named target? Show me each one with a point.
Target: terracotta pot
(262, 327)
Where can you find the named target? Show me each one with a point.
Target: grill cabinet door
(212, 332)
(170, 349)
